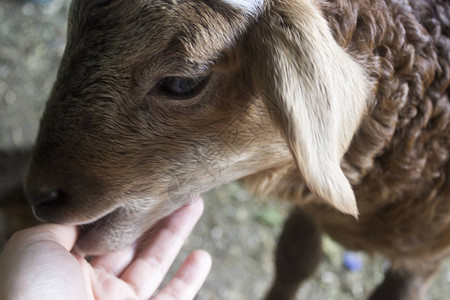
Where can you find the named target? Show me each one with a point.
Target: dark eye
(182, 87)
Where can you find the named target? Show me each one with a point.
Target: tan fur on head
(121, 152)
(317, 91)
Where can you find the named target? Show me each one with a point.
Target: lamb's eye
(182, 87)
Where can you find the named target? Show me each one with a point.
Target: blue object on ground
(352, 261)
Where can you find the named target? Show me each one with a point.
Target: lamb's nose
(47, 204)
(39, 198)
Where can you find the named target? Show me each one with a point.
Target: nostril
(43, 197)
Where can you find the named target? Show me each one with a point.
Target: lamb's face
(150, 108)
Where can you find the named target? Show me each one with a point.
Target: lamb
(340, 107)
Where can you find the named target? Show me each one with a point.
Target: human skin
(38, 263)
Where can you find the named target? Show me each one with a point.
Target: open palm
(37, 264)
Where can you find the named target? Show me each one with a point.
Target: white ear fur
(317, 89)
(249, 7)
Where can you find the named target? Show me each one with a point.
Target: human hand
(36, 263)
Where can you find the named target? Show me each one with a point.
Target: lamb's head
(156, 101)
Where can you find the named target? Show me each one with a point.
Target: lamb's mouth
(103, 234)
(85, 228)
(118, 229)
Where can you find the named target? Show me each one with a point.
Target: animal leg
(401, 284)
(297, 255)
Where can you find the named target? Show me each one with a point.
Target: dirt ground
(238, 229)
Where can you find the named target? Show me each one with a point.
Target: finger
(86, 269)
(148, 269)
(188, 279)
(115, 262)
(40, 254)
(63, 234)
(104, 285)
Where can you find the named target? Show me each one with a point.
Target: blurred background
(238, 229)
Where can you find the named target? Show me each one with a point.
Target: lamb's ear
(315, 92)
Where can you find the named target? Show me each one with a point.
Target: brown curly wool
(398, 161)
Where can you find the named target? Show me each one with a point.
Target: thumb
(65, 235)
